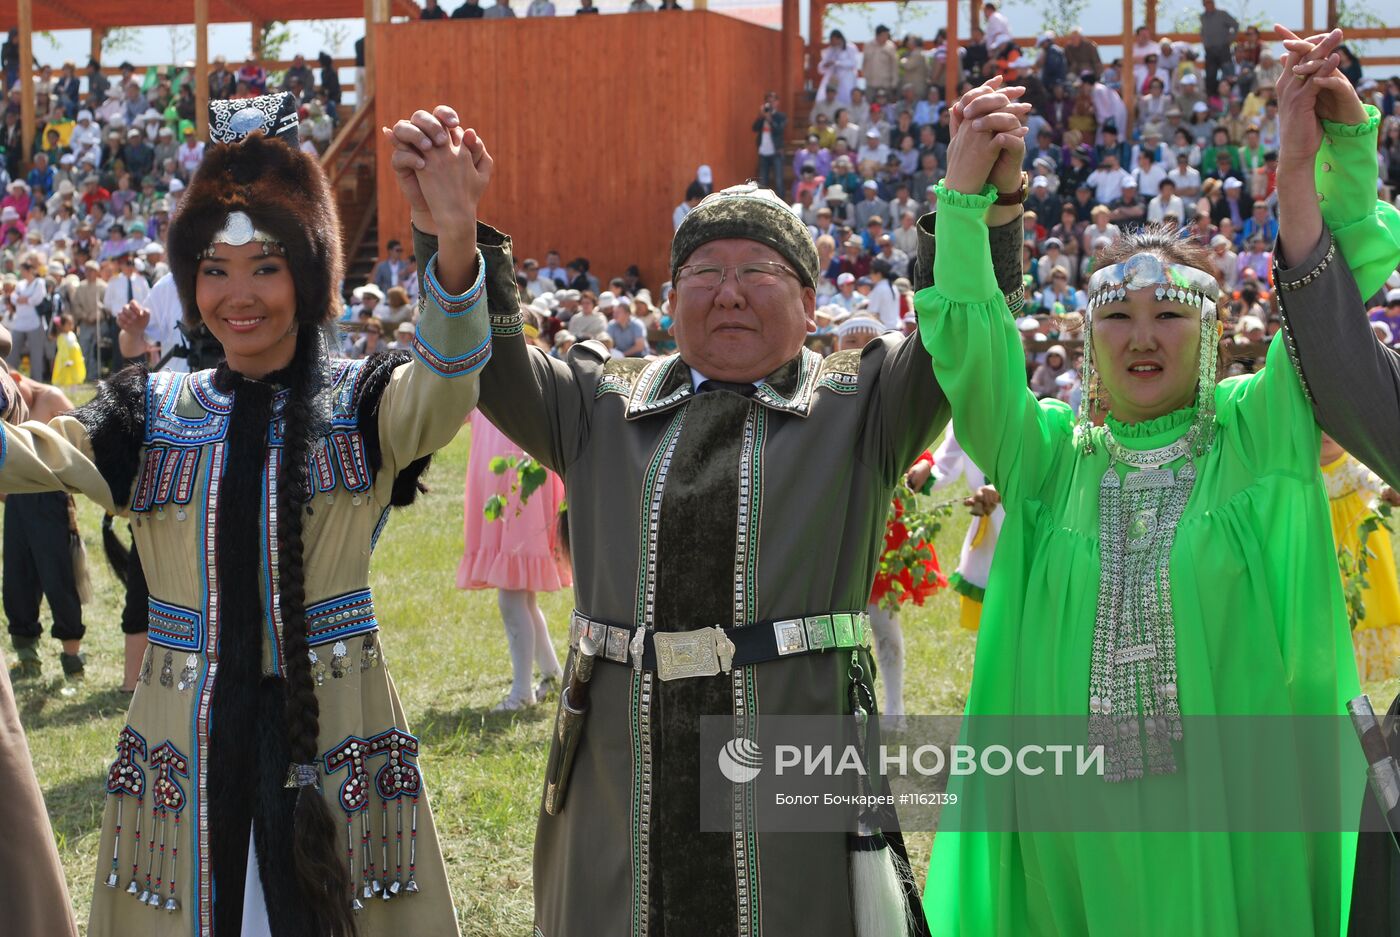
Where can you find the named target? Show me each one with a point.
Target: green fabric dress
(1260, 628)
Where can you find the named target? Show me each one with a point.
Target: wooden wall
(596, 124)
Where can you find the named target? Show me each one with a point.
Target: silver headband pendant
(238, 230)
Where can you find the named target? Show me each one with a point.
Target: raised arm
(1338, 246)
(964, 320)
(427, 399)
(534, 399)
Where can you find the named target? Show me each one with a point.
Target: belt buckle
(699, 653)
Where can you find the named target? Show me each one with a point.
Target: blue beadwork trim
(448, 366)
(458, 304)
(341, 617)
(4, 445)
(174, 627)
(163, 424)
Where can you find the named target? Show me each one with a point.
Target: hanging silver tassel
(411, 886)
(172, 904)
(116, 845)
(355, 904)
(395, 888)
(382, 888)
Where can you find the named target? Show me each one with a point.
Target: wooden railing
(349, 143)
(349, 165)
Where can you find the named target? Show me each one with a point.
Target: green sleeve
(979, 361)
(1269, 416)
(1366, 230)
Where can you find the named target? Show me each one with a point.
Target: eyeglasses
(750, 275)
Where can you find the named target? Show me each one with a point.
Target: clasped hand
(442, 170)
(987, 138)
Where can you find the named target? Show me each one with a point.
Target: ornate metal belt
(704, 652)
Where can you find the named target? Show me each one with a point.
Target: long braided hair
(287, 195)
(320, 870)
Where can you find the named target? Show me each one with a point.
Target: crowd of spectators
(1197, 153)
(501, 9)
(83, 225)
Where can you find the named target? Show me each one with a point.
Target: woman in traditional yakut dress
(267, 782)
(1174, 562)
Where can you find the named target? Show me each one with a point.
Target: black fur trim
(374, 378)
(116, 424)
(117, 553)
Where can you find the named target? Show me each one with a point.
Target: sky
(155, 45)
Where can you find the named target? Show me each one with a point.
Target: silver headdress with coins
(1134, 712)
(1170, 283)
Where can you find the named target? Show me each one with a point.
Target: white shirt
(116, 296)
(540, 8)
(164, 303)
(190, 158)
(1188, 181)
(877, 154)
(1149, 180)
(696, 379)
(1157, 210)
(678, 215)
(1108, 184)
(26, 297)
(997, 32)
(883, 304)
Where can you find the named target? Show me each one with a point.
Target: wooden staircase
(349, 163)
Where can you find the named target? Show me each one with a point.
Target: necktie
(743, 390)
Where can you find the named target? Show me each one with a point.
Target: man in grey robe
(742, 482)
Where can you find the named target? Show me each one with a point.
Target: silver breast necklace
(1133, 708)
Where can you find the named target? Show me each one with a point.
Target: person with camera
(770, 125)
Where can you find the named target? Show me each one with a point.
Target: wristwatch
(1017, 197)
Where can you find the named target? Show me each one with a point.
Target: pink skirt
(520, 551)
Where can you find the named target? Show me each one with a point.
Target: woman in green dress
(1173, 562)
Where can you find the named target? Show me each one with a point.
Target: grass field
(448, 655)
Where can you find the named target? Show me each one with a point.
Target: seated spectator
(1185, 178)
(1224, 261)
(842, 214)
(1148, 174)
(1043, 381)
(1235, 206)
(928, 175)
(1202, 231)
(1041, 200)
(1053, 259)
(1254, 259)
(253, 75)
(1261, 222)
(853, 259)
(629, 335)
(1108, 180)
(1099, 227)
(1165, 202)
(591, 320)
(1130, 210)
